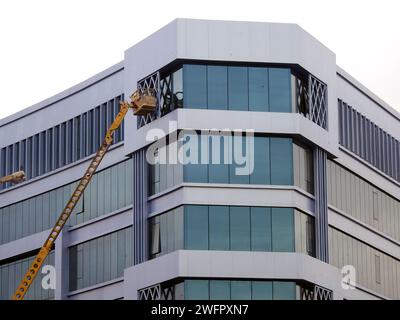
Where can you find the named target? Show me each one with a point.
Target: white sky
(47, 46)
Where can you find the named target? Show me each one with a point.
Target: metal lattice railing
(156, 292)
(315, 293)
(150, 82)
(317, 99)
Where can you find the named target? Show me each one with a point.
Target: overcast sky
(48, 46)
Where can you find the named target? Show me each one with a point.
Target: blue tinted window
(261, 290)
(261, 174)
(194, 171)
(240, 158)
(196, 227)
(284, 290)
(241, 290)
(218, 171)
(279, 90)
(219, 227)
(238, 88)
(258, 89)
(196, 290)
(261, 229)
(195, 86)
(240, 228)
(217, 85)
(220, 290)
(281, 161)
(282, 230)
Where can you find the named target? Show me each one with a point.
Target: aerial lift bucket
(143, 102)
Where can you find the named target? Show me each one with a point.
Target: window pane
(261, 174)
(284, 290)
(155, 238)
(240, 160)
(193, 170)
(261, 290)
(220, 290)
(196, 290)
(177, 88)
(238, 88)
(218, 171)
(282, 230)
(258, 89)
(219, 227)
(281, 161)
(217, 85)
(279, 90)
(195, 86)
(261, 229)
(240, 228)
(241, 290)
(178, 233)
(196, 227)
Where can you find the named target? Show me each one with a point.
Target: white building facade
(321, 205)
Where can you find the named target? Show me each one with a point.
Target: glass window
(261, 158)
(261, 229)
(258, 89)
(195, 86)
(282, 230)
(281, 161)
(261, 290)
(238, 88)
(241, 290)
(217, 87)
(219, 227)
(240, 228)
(196, 227)
(279, 90)
(220, 290)
(218, 171)
(240, 158)
(196, 289)
(177, 83)
(155, 238)
(194, 172)
(284, 290)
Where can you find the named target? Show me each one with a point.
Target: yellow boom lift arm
(142, 103)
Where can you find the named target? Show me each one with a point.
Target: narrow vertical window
(375, 205)
(238, 93)
(377, 269)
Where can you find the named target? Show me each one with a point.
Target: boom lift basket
(14, 178)
(143, 102)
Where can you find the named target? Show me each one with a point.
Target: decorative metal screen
(311, 99)
(150, 82)
(315, 293)
(156, 292)
(168, 92)
(317, 94)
